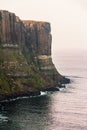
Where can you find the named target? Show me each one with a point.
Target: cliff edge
(25, 57)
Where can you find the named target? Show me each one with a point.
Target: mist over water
(64, 110)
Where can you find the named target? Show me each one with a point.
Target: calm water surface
(64, 110)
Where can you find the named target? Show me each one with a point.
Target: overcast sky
(68, 19)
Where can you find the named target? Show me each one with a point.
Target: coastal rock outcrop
(25, 57)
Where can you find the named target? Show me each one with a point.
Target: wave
(42, 93)
(3, 118)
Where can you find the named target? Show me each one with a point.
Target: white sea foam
(3, 118)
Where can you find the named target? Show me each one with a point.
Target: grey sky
(68, 19)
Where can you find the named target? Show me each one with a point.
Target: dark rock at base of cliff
(16, 96)
(52, 89)
(64, 80)
(5, 98)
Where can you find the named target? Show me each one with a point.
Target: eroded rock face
(12, 29)
(25, 56)
(40, 37)
(40, 41)
(32, 33)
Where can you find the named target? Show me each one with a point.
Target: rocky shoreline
(17, 96)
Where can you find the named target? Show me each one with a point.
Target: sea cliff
(26, 65)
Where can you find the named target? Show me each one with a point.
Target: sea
(61, 110)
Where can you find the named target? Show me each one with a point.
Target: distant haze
(68, 19)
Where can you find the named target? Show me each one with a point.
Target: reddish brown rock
(40, 37)
(12, 29)
(34, 34)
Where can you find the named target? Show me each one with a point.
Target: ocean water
(63, 110)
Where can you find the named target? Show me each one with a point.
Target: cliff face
(25, 56)
(12, 28)
(39, 36)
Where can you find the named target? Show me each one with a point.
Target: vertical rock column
(40, 41)
(44, 38)
(39, 37)
(12, 30)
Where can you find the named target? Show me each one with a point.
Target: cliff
(25, 57)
